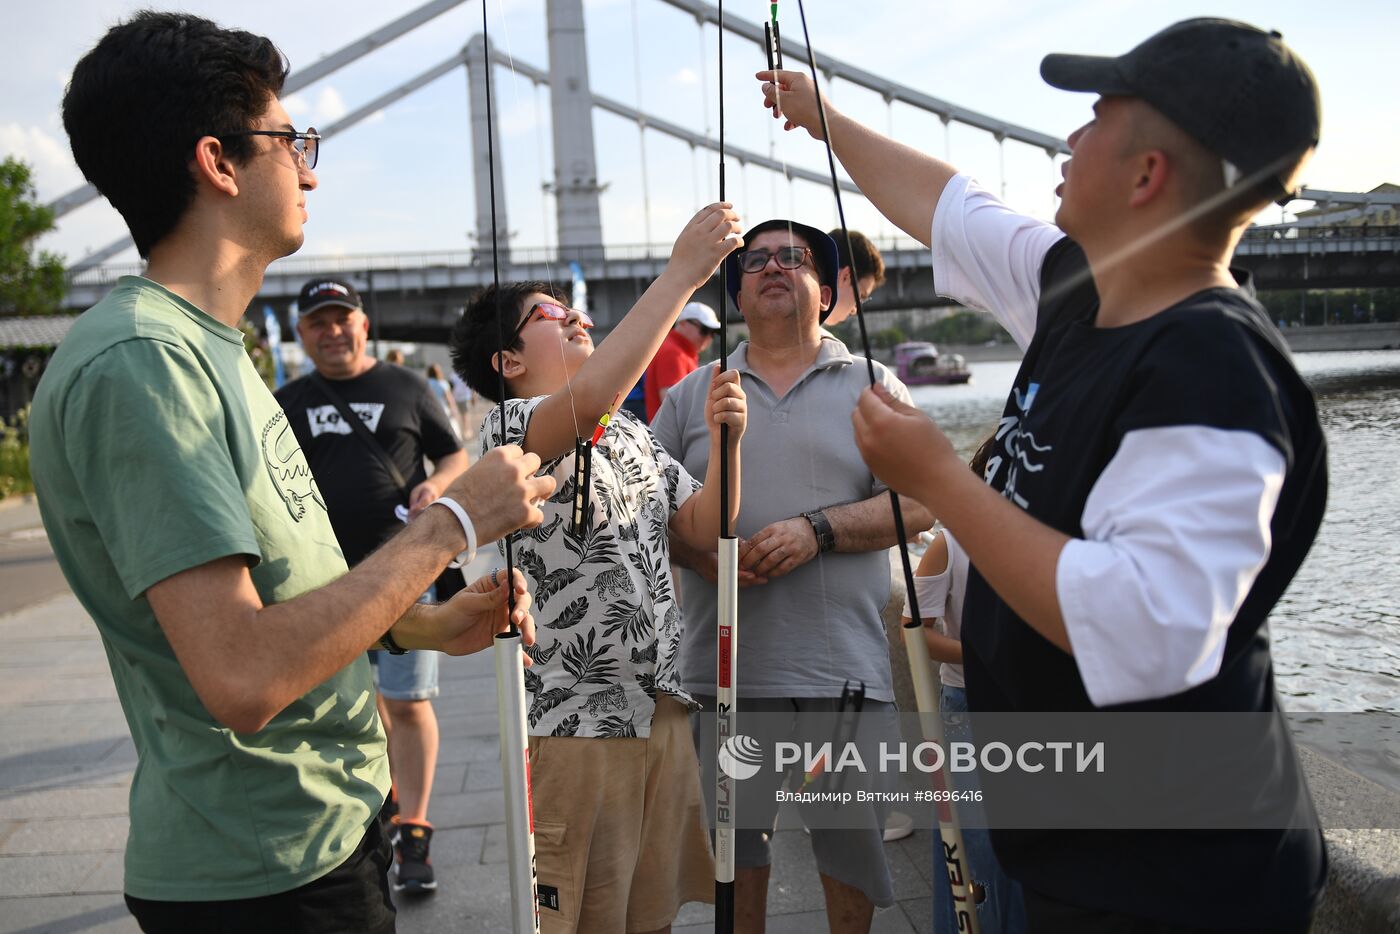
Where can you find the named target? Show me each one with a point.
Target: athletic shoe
(414, 870)
(898, 826)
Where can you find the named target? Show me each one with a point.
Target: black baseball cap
(323, 292)
(1236, 89)
(823, 253)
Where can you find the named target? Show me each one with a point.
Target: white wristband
(469, 530)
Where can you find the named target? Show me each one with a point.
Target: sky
(400, 181)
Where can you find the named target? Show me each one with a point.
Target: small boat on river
(918, 363)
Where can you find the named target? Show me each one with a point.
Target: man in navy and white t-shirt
(1159, 472)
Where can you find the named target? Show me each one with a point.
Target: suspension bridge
(416, 295)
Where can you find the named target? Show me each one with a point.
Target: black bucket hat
(1236, 89)
(823, 253)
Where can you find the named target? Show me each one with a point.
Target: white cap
(701, 314)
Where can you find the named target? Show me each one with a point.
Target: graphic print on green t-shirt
(157, 448)
(287, 467)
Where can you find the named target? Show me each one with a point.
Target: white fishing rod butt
(949, 830)
(921, 672)
(726, 723)
(515, 779)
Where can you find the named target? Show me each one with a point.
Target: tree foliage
(31, 283)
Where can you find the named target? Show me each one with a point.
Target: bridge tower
(576, 187)
(478, 56)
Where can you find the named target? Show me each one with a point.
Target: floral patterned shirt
(608, 626)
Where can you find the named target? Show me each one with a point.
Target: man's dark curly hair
(474, 338)
(143, 96)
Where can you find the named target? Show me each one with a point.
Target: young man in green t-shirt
(185, 518)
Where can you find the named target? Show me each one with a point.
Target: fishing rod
(727, 630)
(954, 853)
(509, 645)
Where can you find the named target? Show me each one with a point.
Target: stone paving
(66, 762)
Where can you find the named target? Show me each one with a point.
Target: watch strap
(387, 643)
(821, 525)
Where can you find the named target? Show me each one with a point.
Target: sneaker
(413, 868)
(898, 826)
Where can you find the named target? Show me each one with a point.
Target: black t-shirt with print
(1213, 360)
(398, 408)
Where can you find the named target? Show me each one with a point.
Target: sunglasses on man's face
(553, 312)
(787, 257)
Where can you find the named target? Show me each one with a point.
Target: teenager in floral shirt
(620, 830)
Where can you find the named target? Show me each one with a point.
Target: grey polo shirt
(807, 633)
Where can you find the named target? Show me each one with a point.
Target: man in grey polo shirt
(815, 529)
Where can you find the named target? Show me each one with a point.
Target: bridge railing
(1334, 232)
(359, 264)
(900, 252)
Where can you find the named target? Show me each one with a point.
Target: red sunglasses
(552, 312)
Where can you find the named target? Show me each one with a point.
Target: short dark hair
(150, 88)
(474, 338)
(868, 261)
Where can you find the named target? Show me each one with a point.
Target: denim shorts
(408, 677)
(411, 676)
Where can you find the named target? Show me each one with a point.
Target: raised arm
(902, 182)
(618, 362)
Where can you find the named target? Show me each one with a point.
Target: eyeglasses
(306, 145)
(552, 312)
(788, 257)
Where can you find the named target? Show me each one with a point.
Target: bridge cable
(920, 665)
(641, 127)
(535, 91)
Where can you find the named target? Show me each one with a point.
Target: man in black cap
(1159, 472)
(812, 559)
(366, 472)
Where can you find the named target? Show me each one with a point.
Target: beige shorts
(621, 840)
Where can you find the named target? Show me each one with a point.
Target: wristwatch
(826, 538)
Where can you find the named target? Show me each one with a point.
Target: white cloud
(686, 76)
(330, 106)
(49, 157)
(297, 105)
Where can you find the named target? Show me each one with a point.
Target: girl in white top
(940, 582)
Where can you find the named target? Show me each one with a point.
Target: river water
(1336, 631)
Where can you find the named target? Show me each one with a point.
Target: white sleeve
(933, 595)
(1170, 552)
(987, 256)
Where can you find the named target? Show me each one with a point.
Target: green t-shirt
(156, 448)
